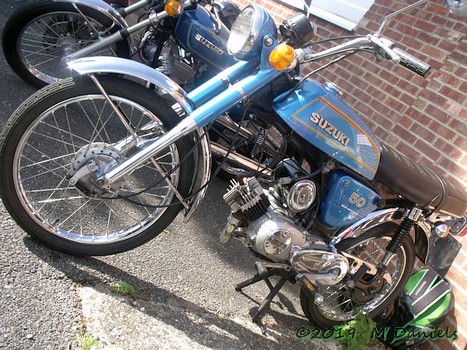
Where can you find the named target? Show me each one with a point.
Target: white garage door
(344, 13)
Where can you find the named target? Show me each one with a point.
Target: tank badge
(209, 44)
(329, 128)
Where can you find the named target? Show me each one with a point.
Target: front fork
(124, 33)
(199, 118)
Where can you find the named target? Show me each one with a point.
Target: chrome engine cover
(273, 235)
(265, 227)
(320, 266)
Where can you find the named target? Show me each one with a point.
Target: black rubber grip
(413, 63)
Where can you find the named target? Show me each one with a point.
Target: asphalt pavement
(184, 283)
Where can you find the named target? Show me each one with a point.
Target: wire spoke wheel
(61, 154)
(370, 294)
(45, 42)
(40, 35)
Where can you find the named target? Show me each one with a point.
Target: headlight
(248, 30)
(241, 35)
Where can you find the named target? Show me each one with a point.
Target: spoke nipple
(318, 299)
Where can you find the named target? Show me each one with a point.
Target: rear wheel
(338, 302)
(40, 34)
(63, 138)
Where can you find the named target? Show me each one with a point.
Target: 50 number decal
(357, 200)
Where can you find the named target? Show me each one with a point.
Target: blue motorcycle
(102, 162)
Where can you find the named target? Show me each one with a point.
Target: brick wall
(424, 118)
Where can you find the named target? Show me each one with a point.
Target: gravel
(39, 306)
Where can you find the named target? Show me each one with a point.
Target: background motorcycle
(40, 36)
(101, 163)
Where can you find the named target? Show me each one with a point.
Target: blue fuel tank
(195, 32)
(322, 118)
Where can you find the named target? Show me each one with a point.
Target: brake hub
(89, 164)
(68, 45)
(364, 291)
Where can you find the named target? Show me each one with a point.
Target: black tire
(384, 232)
(69, 123)
(40, 33)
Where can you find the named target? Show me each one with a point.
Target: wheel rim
(47, 152)
(44, 43)
(337, 302)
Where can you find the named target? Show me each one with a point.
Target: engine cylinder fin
(247, 199)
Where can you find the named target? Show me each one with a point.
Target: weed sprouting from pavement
(123, 288)
(87, 341)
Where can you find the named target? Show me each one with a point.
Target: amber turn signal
(172, 7)
(282, 57)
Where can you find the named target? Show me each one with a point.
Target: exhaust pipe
(236, 159)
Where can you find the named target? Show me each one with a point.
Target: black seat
(420, 184)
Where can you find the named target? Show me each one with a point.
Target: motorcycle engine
(265, 230)
(174, 62)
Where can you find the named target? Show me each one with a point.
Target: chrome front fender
(116, 65)
(380, 217)
(165, 87)
(100, 6)
(424, 237)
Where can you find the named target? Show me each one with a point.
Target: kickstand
(263, 275)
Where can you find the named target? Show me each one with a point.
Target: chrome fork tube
(116, 37)
(134, 7)
(185, 127)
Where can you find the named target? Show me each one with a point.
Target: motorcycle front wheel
(63, 138)
(40, 34)
(337, 304)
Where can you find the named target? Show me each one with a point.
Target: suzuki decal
(329, 128)
(209, 44)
